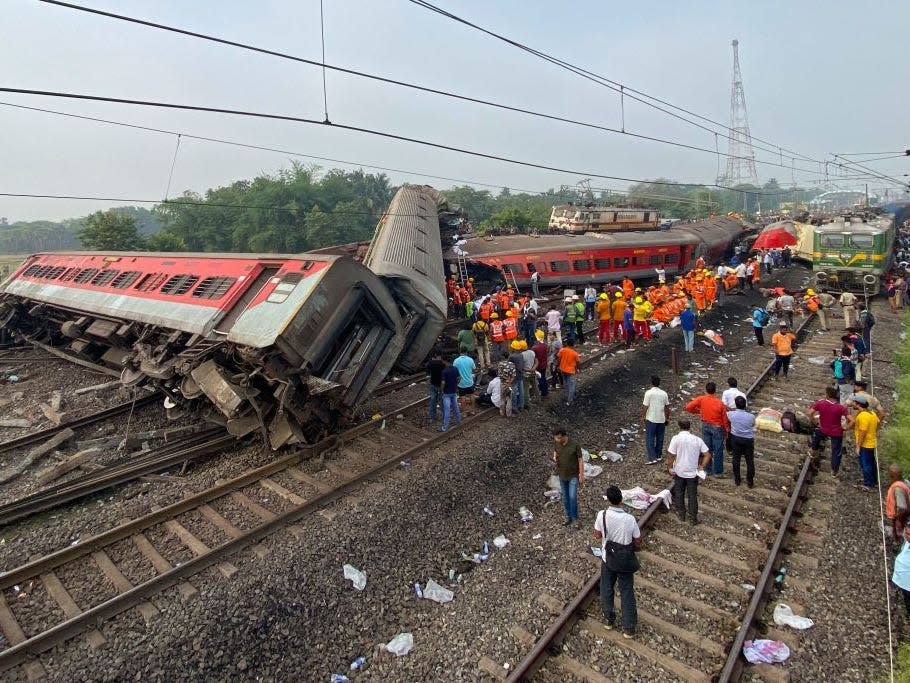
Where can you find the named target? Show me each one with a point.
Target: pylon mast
(741, 162)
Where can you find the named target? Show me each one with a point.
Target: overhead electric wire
(434, 91)
(620, 88)
(368, 131)
(855, 166)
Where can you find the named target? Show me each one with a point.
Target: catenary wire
(373, 132)
(489, 103)
(611, 84)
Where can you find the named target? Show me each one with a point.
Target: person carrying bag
(620, 538)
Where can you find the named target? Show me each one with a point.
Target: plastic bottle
(486, 548)
(418, 590)
(488, 511)
(779, 579)
(358, 663)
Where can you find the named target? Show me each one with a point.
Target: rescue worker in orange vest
(486, 310)
(604, 317)
(897, 502)
(811, 301)
(698, 294)
(679, 287)
(497, 335)
(503, 300)
(510, 293)
(628, 288)
(756, 273)
(710, 291)
(457, 303)
(510, 326)
(700, 263)
(640, 314)
(469, 285)
(463, 293)
(618, 308)
(451, 286)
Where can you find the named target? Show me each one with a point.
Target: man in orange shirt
(568, 365)
(714, 424)
(619, 308)
(782, 342)
(604, 318)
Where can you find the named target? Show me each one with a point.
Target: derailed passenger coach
(287, 345)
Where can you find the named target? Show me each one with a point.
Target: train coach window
(69, 274)
(31, 271)
(602, 264)
(284, 288)
(55, 272)
(125, 279)
(150, 282)
(583, 264)
(654, 259)
(831, 240)
(621, 262)
(513, 268)
(559, 266)
(862, 241)
(85, 275)
(671, 258)
(179, 284)
(213, 287)
(105, 277)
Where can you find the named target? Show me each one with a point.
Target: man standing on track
(782, 341)
(714, 424)
(590, 300)
(434, 369)
(571, 470)
(620, 538)
(535, 284)
(465, 366)
(481, 332)
(687, 322)
(618, 306)
(553, 318)
(655, 411)
(865, 432)
(450, 378)
(568, 358)
(829, 415)
(604, 318)
(897, 502)
(729, 396)
(847, 303)
(742, 440)
(688, 454)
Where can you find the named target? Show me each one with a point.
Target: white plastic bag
(401, 644)
(585, 455)
(501, 542)
(592, 471)
(612, 456)
(357, 577)
(433, 591)
(784, 616)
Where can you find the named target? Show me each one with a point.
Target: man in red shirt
(714, 424)
(827, 414)
(541, 351)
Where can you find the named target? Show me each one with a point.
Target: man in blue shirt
(742, 440)
(465, 366)
(758, 322)
(687, 323)
(450, 377)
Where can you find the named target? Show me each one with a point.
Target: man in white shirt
(535, 284)
(741, 275)
(688, 455)
(655, 411)
(493, 394)
(661, 275)
(728, 398)
(847, 302)
(554, 319)
(620, 537)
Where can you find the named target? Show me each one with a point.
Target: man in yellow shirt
(640, 314)
(865, 431)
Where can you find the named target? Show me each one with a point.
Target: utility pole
(741, 159)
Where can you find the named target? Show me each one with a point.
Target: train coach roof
(170, 255)
(684, 233)
(872, 228)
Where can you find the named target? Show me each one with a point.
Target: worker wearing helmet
(469, 285)
(510, 326)
(518, 386)
(529, 376)
(497, 336)
(641, 312)
(604, 318)
(486, 310)
(810, 301)
(710, 291)
(618, 309)
(481, 331)
(628, 288)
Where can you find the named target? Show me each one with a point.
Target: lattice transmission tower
(741, 162)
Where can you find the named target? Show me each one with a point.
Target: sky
(813, 86)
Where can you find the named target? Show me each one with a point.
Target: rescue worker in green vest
(569, 318)
(579, 318)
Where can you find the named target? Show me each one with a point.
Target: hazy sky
(814, 83)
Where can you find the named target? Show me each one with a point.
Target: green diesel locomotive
(851, 253)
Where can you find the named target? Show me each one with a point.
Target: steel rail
(42, 642)
(78, 422)
(174, 454)
(552, 638)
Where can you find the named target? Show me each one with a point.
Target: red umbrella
(776, 236)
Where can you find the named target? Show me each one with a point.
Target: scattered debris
(765, 651)
(784, 616)
(612, 456)
(501, 542)
(15, 423)
(526, 515)
(358, 578)
(35, 454)
(437, 593)
(401, 644)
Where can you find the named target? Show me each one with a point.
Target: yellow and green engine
(848, 250)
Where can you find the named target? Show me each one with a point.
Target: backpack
(788, 421)
(869, 319)
(838, 367)
(763, 317)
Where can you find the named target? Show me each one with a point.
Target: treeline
(302, 208)
(27, 237)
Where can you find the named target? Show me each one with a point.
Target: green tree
(165, 241)
(512, 217)
(110, 231)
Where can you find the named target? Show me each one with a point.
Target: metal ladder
(462, 268)
(510, 279)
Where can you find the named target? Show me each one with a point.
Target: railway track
(695, 609)
(174, 543)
